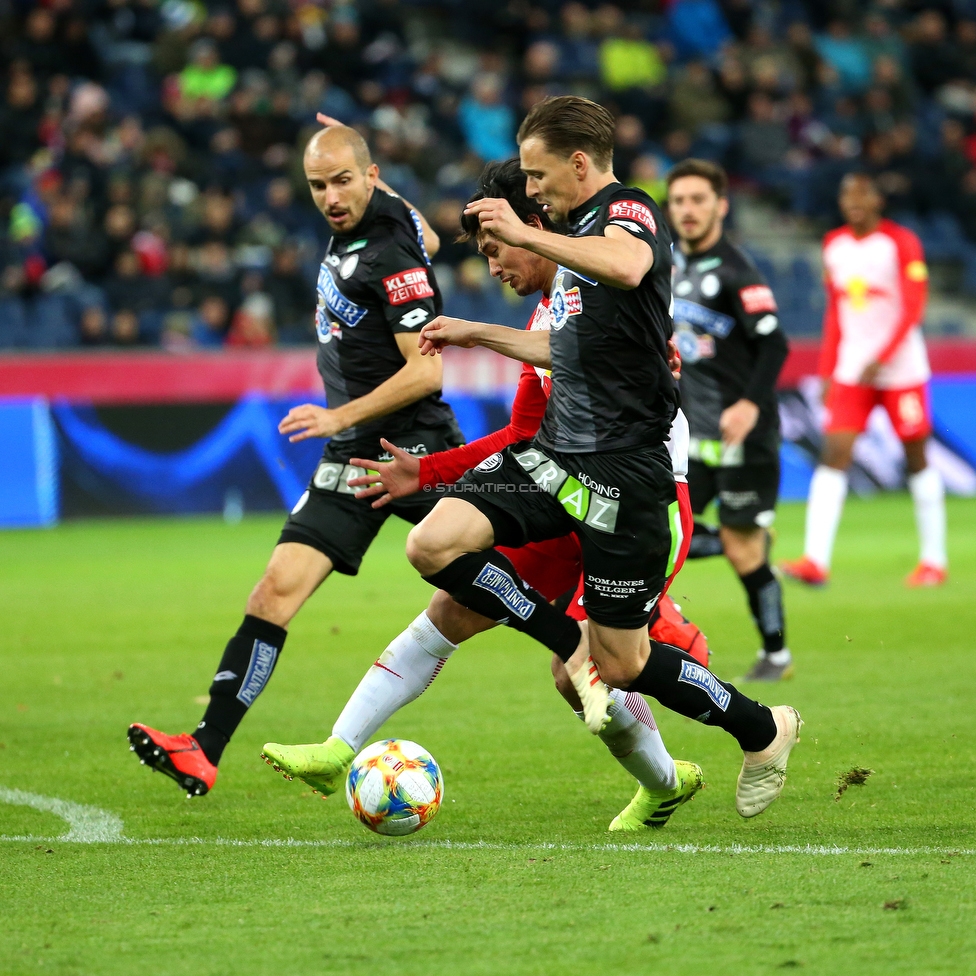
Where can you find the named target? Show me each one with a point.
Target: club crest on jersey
(408, 286)
(564, 304)
(693, 347)
(490, 463)
(633, 210)
(326, 328)
(341, 307)
(347, 265)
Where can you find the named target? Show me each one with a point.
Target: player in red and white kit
(873, 353)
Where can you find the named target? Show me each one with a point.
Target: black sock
(766, 604)
(680, 683)
(705, 541)
(245, 668)
(487, 583)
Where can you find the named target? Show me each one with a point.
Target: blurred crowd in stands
(151, 189)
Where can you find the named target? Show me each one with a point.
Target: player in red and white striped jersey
(873, 354)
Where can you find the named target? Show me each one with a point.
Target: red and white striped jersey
(876, 291)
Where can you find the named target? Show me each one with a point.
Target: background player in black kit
(375, 291)
(732, 349)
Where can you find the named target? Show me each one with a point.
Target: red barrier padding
(945, 356)
(112, 378)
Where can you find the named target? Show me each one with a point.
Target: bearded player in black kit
(375, 291)
(598, 466)
(732, 349)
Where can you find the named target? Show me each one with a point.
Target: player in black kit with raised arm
(598, 466)
(375, 291)
(732, 349)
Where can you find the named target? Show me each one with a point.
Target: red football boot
(925, 574)
(672, 627)
(178, 756)
(805, 570)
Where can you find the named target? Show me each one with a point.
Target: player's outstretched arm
(618, 258)
(418, 377)
(530, 347)
(386, 480)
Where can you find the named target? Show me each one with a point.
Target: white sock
(403, 672)
(828, 489)
(634, 741)
(928, 493)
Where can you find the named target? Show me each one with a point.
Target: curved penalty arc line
(87, 824)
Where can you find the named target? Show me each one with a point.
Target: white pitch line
(92, 825)
(88, 825)
(813, 850)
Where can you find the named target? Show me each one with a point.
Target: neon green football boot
(653, 808)
(322, 765)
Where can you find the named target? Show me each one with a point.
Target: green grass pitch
(104, 623)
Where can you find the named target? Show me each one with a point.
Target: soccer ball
(394, 787)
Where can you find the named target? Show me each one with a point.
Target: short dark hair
(703, 168)
(568, 124)
(862, 174)
(507, 181)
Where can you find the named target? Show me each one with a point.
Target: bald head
(326, 142)
(340, 175)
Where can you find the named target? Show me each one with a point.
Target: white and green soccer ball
(394, 787)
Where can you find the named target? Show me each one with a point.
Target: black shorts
(620, 506)
(329, 517)
(746, 494)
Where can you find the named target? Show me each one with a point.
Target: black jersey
(375, 281)
(611, 386)
(732, 347)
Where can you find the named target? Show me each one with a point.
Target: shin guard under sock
(487, 583)
(680, 683)
(245, 668)
(766, 603)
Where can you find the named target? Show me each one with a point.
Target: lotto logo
(633, 210)
(757, 298)
(406, 286)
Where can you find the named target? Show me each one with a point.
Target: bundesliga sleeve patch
(408, 286)
(758, 298)
(633, 210)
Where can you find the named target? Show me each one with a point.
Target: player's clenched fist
(445, 331)
(497, 217)
(310, 421)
